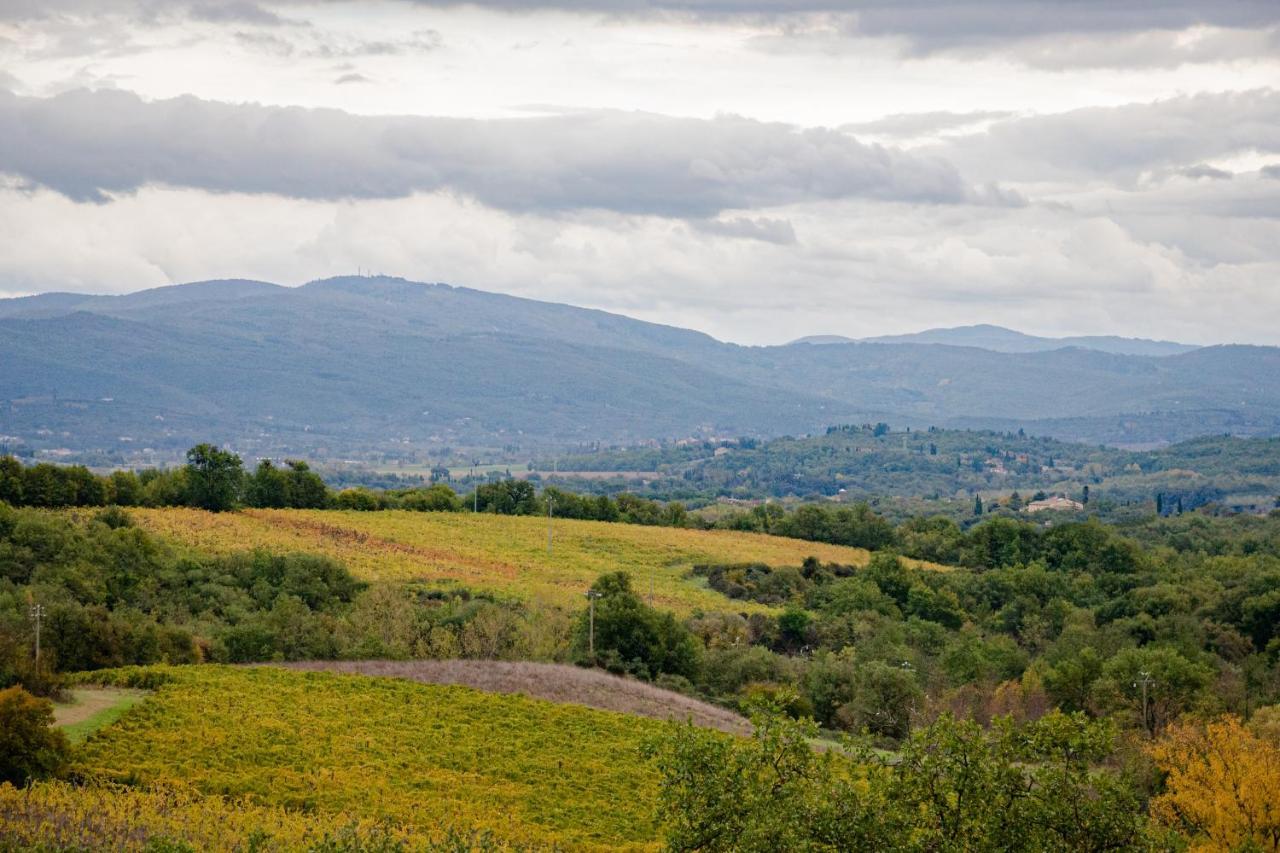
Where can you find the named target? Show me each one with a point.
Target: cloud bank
(90, 145)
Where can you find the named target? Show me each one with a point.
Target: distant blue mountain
(1000, 339)
(354, 364)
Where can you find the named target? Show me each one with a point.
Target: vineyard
(504, 554)
(427, 759)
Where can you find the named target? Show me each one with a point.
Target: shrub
(29, 747)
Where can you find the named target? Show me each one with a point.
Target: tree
(883, 701)
(759, 795)
(1223, 786)
(977, 505)
(10, 480)
(952, 787)
(1154, 685)
(634, 636)
(214, 478)
(268, 486)
(30, 748)
(306, 489)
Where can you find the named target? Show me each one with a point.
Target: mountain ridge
(1002, 339)
(358, 365)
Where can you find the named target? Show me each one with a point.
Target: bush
(29, 747)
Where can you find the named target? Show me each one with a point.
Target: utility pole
(37, 613)
(1145, 680)
(550, 502)
(592, 595)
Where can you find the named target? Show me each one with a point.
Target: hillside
(426, 757)
(386, 368)
(1000, 339)
(496, 553)
(573, 685)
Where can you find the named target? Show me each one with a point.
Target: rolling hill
(426, 759)
(356, 367)
(500, 554)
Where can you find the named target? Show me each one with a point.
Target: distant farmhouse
(1055, 502)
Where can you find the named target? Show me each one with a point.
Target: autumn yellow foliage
(427, 758)
(503, 554)
(62, 816)
(1223, 787)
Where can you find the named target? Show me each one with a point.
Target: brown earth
(552, 682)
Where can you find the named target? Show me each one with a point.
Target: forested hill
(347, 365)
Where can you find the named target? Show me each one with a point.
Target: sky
(756, 169)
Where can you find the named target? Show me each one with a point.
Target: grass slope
(92, 708)
(504, 554)
(423, 756)
(554, 682)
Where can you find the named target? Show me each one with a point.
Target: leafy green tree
(953, 787)
(1153, 685)
(306, 489)
(30, 748)
(436, 498)
(124, 488)
(883, 699)
(268, 486)
(214, 478)
(11, 481)
(640, 639)
(359, 498)
(1070, 682)
(768, 793)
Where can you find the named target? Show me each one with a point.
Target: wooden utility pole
(592, 595)
(550, 502)
(1145, 679)
(37, 614)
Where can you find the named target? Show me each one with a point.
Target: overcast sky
(756, 169)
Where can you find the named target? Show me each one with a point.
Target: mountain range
(353, 366)
(1000, 339)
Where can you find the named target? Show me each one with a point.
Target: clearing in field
(504, 554)
(90, 708)
(424, 756)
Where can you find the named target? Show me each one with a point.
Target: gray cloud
(90, 145)
(1271, 171)
(1121, 143)
(761, 228)
(1202, 170)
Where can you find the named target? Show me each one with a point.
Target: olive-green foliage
(29, 747)
(213, 477)
(633, 637)
(953, 787)
(294, 486)
(114, 595)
